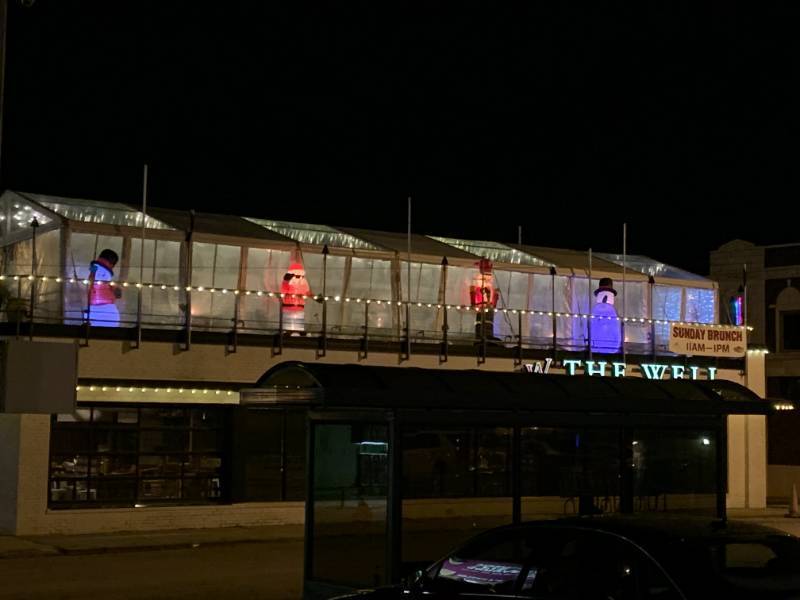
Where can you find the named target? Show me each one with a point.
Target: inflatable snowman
(606, 329)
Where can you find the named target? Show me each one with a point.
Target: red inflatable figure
(294, 288)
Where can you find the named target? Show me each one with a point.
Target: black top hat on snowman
(606, 285)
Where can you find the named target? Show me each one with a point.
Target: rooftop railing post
(188, 288)
(21, 314)
(445, 327)
(234, 343)
(137, 344)
(34, 226)
(364, 351)
(553, 318)
(322, 350)
(444, 347)
(482, 346)
(277, 340)
(88, 322)
(651, 285)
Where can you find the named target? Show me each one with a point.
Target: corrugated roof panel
(570, 259)
(320, 235)
(495, 251)
(651, 267)
(94, 211)
(214, 224)
(420, 244)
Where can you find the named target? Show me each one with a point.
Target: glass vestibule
(453, 481)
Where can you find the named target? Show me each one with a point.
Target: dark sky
(681, 121)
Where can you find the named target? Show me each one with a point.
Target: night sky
(568, 121)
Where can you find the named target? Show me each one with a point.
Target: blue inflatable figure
(606, 329)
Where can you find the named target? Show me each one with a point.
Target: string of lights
(357, 300)
(168, 390)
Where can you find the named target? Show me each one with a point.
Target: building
(198, 307)
(765, 282)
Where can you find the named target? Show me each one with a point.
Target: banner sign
(707, 340)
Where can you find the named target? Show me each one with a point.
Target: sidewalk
(48, 545)
(772, 516)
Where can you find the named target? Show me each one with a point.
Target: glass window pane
(441, 469)
(566, 471)
(111, 460)
(164, 417)
(295, 456)
(350, 486)
(674, 471)
(163, 441)
(64, 440)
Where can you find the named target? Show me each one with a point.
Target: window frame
(217, 481)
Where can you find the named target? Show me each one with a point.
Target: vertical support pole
(19, 296)
(34, 226)
(64, 243)
(482, 352)
(188, 288)
(308, 538)
(139, 297)
(518, 354)
(516, 475)
(624, 281)
(651, 284)
(589, 307)
(443, 350)
(364, 351)
(553, 305)
(406, 354)
(394, 508)
(322, 350)
(277, 340)
(241, 283)
(627, 471)
(722, 468)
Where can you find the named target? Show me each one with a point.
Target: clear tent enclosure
(217, 273)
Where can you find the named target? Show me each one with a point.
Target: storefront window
(270, 455)
(568, 471)
(113, 456)
(456, 482)
(674, 471)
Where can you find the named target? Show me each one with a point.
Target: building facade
(767, 280)
(176, 313)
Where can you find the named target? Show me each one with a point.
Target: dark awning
(362, 386)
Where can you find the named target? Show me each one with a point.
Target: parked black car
(613, 558)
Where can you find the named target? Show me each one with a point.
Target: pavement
(142, 541)
(52, 545)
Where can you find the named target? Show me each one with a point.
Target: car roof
(661, 528)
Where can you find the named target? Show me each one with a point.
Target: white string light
(378, 301)
(133, 389)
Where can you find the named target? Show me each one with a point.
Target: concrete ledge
(162, 518)
(14, 547)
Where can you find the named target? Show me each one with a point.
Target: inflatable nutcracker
(102, 309)
(606, 328)
(483, 295)
(294, 288)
